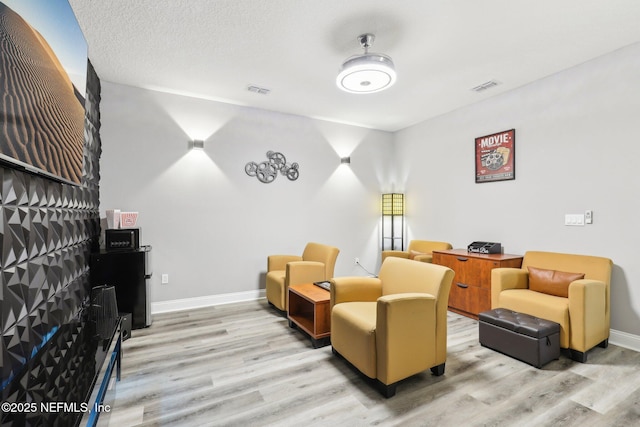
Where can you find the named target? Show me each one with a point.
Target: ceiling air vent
(258, 89)
(485, 86)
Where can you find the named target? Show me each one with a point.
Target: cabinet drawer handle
(463, 259)
(462, 285)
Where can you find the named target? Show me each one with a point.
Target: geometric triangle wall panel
(48, 230)
(37, 192)
(37, 232)
(14, 238)
(54, 232)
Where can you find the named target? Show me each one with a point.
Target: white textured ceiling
(214, 49)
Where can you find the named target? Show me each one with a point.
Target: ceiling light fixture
(367, 73)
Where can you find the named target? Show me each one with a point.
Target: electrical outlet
(165, 279)
(588, 217)
(357, 261)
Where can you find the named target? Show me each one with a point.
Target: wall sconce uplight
(345, 160)
(196, 144)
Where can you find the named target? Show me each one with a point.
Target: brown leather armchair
(418, 250)
(580, 305)
(316, 264)
(395, 325)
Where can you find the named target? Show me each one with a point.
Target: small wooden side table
(309, 311)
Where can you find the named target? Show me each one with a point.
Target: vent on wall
(485, 86)
(258, 89)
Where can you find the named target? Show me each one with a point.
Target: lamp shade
(393, 204)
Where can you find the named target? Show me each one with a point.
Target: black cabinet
(129, 271)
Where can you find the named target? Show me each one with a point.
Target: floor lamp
(393, 221)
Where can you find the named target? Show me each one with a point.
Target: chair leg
(387, 390)
(438, 370)
(604, 344)
(578, 356)
(280, 312)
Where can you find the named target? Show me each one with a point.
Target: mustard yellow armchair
(395, 325)
(418, 250)
(316, 264)
(572, 290)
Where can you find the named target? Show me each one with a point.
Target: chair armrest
(279, 262)
(507, 278)
(348, 289)
(405, 335)
(304, 272)
(399, 254)
(423, 258)
(588, 313)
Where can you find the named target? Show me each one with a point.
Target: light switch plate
(574, 219)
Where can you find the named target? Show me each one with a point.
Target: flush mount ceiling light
(367, 73)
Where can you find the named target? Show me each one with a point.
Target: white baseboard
(624, 339)
(199, 302)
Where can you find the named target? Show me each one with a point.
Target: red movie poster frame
(495, 157)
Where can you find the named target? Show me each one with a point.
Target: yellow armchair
(418, 250)
(395, 325)
(316, 264)
(582, 309)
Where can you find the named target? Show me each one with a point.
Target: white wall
(577, 148)
(211, 225)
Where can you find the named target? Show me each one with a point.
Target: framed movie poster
(496, 157)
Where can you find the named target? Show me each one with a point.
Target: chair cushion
(353, 334)
(552, 282)
(413, 254)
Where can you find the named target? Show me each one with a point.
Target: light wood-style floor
(241, 365)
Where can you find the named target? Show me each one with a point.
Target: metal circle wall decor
(267, 171)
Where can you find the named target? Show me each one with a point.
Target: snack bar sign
(495, 157)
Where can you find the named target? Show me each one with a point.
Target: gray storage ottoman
(524, 337)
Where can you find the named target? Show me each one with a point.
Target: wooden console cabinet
(471, 289)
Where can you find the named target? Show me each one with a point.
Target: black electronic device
(104, 310)
(125, 325)
(324, 285)
(485, 248)
(121, 238)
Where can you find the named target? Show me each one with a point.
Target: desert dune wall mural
(41, 107)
